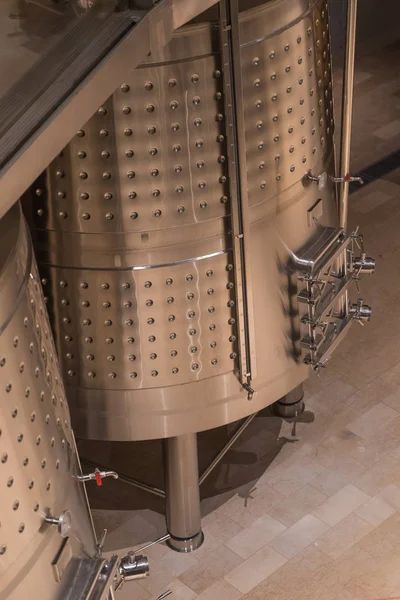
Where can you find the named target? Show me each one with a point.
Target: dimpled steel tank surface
(38, 460)
(133, 229)
(179, 304)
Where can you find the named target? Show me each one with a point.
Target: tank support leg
(291, 405)
(182, 493)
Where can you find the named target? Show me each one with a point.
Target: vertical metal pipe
(237, 166)
(182, 493)
(347, 109)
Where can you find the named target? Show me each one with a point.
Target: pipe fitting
(364, 264)
(133, 567)
(360, 311)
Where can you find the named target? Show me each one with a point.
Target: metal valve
(360, 311)
(134, 567)
(63, 523)
(364, 264)
(321, 179)
(97, 475)
(348, 179)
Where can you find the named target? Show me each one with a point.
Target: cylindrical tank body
(132, 224)
(38, 460)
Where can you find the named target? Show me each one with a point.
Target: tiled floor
(319, 515)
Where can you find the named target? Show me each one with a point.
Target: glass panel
(27, 30)
(47, 48)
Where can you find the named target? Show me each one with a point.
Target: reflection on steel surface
(50, 102)
(37, 451)
(48, 547)
(147, 334)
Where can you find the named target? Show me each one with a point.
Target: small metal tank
(135, 227)
(38, 459)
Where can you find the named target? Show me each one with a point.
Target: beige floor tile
(383, 541)
(220, 525)
(132, 531)
(367, 370)
(262, 499)
(132, 589)
(395, 452)
(392, 375)
(344, 446)
(255, 537)
(299, 536)
(361, 76)
(264, 591)
(179, 590)
(298, 504)
(332, 395)
(341, 504)
(169, 568)
(210, 544)
(386, 440)
(391, 494)
(388, 131)
(155, 518)
(316, 591)
(291, 478)
(377, 417)
(343, 535)
(289, 454)
(375, 511)
(245, 509)
(383, 472)
(296, 575)
(393, 400)
(255, 569)
(326, 424)
(359, 590)
(376, 391)
(355, 562)
(221, 590)
(371, 201)
(156, 552)
(385, 576)
(210, 569)
(337, 477)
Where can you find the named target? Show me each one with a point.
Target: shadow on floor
(238, 471)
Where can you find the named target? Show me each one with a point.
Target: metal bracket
(328, 270)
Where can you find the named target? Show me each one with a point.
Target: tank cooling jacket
(38, 460)
(132, 225)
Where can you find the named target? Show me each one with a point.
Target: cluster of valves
(114, 571)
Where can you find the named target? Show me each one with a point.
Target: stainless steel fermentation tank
(189, 243)
(38, 460)
(48, 546)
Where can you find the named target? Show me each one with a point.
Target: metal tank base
(291, 405)
(182, 493)
(187, 545)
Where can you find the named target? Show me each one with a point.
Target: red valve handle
(99, 480)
